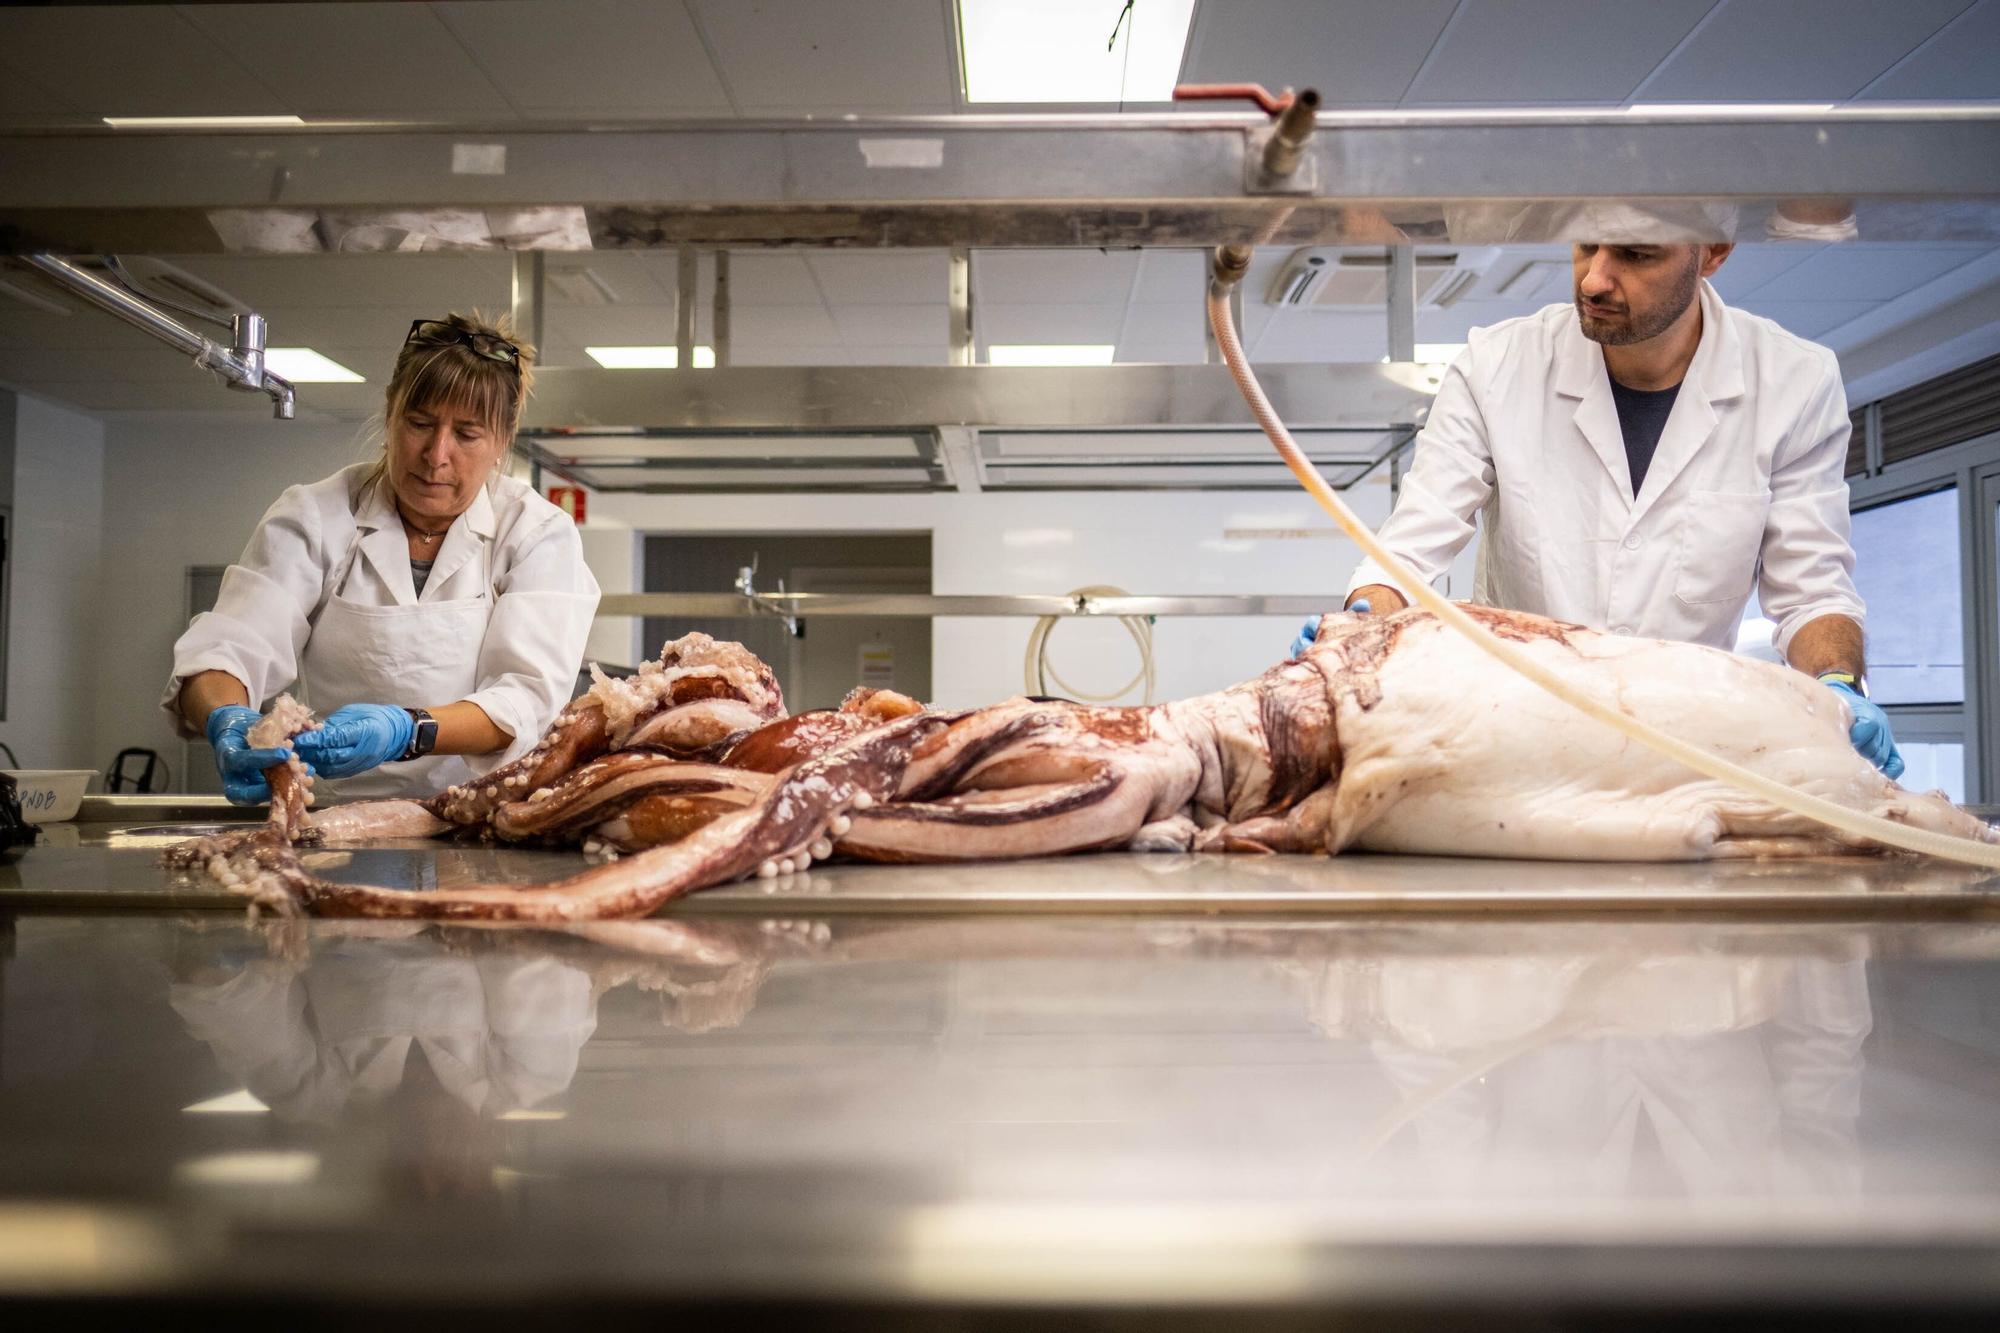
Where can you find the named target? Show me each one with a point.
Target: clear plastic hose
(1037, 673)
(1942, 845)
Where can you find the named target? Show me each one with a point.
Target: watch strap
(1859, 684)
(423, 735)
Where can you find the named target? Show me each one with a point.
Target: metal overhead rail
(1909, 172)
(806, 605)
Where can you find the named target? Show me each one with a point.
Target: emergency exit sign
(569, 499)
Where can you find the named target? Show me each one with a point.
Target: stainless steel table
(1219, 1092)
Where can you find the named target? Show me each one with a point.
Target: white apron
(413, 656)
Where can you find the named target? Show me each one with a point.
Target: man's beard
(1655, 322)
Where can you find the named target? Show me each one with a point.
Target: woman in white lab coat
(430, 608)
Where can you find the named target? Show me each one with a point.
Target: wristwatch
(422, 740)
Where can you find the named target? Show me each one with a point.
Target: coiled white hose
(1037, 674)
(1942, 845)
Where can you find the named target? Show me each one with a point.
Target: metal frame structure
(806, 605)
(1909, 173)
(1972, 469)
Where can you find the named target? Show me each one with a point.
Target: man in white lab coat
(1642, 458)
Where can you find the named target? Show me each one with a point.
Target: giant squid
(1390, 734)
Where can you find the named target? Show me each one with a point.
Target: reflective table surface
(1223, 1119)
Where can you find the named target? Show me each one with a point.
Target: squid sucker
(1391, 734)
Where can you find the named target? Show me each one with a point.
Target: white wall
(1144, 542)
(56, 636)
(181, 493)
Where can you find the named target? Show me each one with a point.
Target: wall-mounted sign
(877, 666)
(569, 499)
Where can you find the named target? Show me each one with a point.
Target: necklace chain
(423, 534)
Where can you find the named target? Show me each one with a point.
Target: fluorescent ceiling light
(1050, 354)
(649, 358)
(1435, 354)
(200, 122)
(302, 365)
(1055, 50)
(240, 1102)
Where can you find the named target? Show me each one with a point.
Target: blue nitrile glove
(241, 766)
(1870, 732)
(355, 739)
(1310, 630)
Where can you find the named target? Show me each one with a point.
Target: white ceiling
(502, 60)
(574, 60)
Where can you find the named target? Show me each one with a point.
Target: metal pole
(528, 301)
(719, 318)
(959, 297)
(686, 279)
(1402, 303)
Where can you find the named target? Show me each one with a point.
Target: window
(1906, 567)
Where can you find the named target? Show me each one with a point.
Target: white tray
(50, 795)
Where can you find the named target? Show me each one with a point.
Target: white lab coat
(1745, 488)
(501, 621)
(500, 1033)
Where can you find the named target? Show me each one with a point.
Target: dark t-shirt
(1642, 415)
(420, 571)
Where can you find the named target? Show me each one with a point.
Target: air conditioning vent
(1360, 279)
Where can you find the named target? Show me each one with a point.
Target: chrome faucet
(241, 365)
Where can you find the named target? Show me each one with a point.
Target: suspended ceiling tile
(1795, 50)
(1961, 61)
(356, 60)
(1301, 335)
(614, 326)
(345, 325)
(1023, 277)
(445, 281)
(130, 60)
(1810, 319)
(86, 328)
(1059, 324)
(24, 98)
(912, 326)
(1551, 50)
(767, 279)
(830, 55)
(1865, 273)
(882, 277)
(1751, 266)
(790, 325)
(615, 277)
(1176, 322)
(637, 56)
(1353, 53)
(1171, 275)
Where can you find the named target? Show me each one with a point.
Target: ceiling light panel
(302, 365)
(1051, 354)
(201, 122)
(648, 358)
(1065, 50)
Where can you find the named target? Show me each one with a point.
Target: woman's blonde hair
(431, 374)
